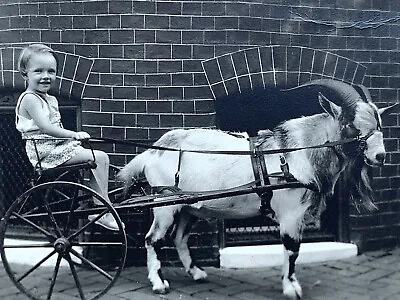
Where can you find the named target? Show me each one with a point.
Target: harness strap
(261, 177)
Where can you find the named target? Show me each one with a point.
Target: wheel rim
(65, 248)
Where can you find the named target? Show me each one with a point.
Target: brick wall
(147, 74)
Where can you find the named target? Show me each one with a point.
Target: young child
(38, 117)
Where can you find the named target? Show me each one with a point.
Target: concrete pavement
(373, 275)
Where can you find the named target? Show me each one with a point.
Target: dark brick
(121, 7)
(111, 51)
(94, 118)
(159, 106)
(213, 9)
(135, 106)
(183, 79)
(148, 120)
(181, 51)
(40, 22)
(14, 22)
(203, 51)
(60, 22)
(30, 36)
(132, 21)
(185, 106)
(112, 21)
(203, 23)
(97, 37)
(170, 36)
(169, 66)
(199, 120)
(205, 106)
(124, 120)
(180, 22)
(145, 36)
(191, 8)
(111, 79)
(87, 50)
(123, 66)
(168, 8)
(134, 51)
(170, 93)
(146, 66)
(227, 23)
(91, 105)
(192, 37)
(101, 92)
(124, 93)
(72, 36)
(147, 93)
(111, 106)
(171, 120)
(134, 80)
(158, 80)
(137, 134)
(158, 51)
(75, 8)
(27, 9)
(214, 36)
(95, 8)
(83, 22)
(144, 7)
(156, 22)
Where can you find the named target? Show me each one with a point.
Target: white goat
(318, 167)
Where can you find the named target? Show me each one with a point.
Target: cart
(62, 256)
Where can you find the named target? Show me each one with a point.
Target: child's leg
(99, 176)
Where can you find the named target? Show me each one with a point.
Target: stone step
(272, 255)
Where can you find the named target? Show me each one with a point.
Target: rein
(233, 152)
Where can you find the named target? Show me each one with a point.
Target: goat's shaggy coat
(203, 172)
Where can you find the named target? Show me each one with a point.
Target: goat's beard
(359, 184)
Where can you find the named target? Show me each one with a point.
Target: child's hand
(81, 135)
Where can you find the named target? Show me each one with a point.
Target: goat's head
(358, 118)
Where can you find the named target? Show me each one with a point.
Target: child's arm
(32, 105)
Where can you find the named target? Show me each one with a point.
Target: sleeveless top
(43, 150)
(50, 110)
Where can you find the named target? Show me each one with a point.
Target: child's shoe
(107, 221)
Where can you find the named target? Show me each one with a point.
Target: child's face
(41, 72)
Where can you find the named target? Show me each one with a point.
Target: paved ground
(373, 275)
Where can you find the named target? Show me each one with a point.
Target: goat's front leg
(291, 286)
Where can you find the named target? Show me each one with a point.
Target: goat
(355, 116)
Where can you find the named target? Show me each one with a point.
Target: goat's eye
(351, 130)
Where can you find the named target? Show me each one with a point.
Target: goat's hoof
(292, 289)
(199, 275)
(162, 288)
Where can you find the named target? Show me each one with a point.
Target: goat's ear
(329, 107)
(387, 110)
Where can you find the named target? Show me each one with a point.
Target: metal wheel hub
(62, 245)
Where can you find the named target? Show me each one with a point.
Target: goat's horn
(344, 94)
(363, 92)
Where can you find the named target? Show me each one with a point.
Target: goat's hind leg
(163, 219)
(186, 222)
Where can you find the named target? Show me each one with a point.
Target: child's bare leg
(99, 176)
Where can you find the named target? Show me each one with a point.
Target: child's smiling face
(41, 72)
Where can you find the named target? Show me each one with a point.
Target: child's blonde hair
(27, 53)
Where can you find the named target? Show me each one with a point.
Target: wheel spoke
(50, 236)
(36, 266)
(74, 235)
(35, 245)
(94, 266)
(54, 277)
(75, 274)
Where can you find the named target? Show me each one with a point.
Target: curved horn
(364, 92)
(339, 92)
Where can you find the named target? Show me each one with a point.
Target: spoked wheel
(65, 254)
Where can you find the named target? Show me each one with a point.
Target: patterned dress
(42, 149)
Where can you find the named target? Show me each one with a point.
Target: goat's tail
(132, 171)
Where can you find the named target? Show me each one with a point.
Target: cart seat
(44, 175)
(90, 164)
